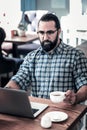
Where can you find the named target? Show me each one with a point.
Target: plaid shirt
(65, 68)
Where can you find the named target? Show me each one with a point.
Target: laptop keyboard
(34, 110)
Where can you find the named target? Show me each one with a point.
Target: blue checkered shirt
(65, 68)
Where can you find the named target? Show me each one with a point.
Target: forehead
(46, 25)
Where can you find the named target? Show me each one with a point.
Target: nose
(45, 36)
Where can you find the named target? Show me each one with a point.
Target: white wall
(11, 10)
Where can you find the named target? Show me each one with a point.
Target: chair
(33, 17)
(8, 67)
(73, 30)
(83, 47)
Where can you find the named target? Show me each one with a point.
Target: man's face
(48, 35)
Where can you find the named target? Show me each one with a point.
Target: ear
(59, 31)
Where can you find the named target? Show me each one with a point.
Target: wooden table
(75, 113)
(18, 40)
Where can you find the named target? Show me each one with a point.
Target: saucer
(57, 116)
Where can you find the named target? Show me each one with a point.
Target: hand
(70, 97)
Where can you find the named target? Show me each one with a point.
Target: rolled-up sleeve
(22, 78)
(80, 70)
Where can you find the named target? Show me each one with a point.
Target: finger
(68, 93)
(68, 102)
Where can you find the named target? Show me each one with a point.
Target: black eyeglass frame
(49, 32)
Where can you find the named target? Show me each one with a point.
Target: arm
(80, 74)
(12, 84)
(74, 98)
(81, 94)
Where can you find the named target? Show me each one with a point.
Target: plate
(57, 116)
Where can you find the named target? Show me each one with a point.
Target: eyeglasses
(49, 32)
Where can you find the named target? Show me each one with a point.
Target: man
(54, 66)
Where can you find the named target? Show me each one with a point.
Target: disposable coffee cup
(57, 96)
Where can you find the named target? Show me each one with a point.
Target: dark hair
(2, 35)
(50, 17)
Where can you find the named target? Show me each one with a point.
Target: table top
(75, 113)
(20, 39)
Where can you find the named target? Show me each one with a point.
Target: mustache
(46, 42)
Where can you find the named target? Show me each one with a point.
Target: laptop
(16, 102)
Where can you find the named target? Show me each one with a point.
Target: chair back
(6, 65)
(83, 47)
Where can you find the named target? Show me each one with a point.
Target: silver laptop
(16, 102)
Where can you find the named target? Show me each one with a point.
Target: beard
(48, 45)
